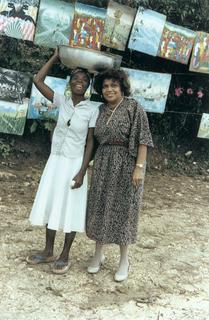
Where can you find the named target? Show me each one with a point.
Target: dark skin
(79, 84)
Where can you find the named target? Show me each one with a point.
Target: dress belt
(115, 143)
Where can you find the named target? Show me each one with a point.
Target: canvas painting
(200, 54)
(88, 26)
(13, 85)
(18, 18)
(203, 131)
(54, 23)
(39, 106)
(150, 89)
(118, 24)
(147, 31)
(13, 117)
(176, 43)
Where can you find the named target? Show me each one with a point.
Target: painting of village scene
(150, 89)
(203, 131)
(13, 117)
(54, 23)
(147, 31)
(176, 43)
(18, 18)
(200, 54)
(118, 24)
(39, 106)
(88, 26)
(13, 85)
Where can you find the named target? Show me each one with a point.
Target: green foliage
(6, 147)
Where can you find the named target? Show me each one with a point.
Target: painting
(118, 24)
(54, 23)
(18, 18)
(150, 89)
(13, 117)
(13, 85)
(203, 131)
(88, 26)
(39, 106)
(200, 55)
(147, 31)
(176, 43)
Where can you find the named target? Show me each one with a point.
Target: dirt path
(169, 276)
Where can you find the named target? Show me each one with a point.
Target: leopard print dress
(113, 202)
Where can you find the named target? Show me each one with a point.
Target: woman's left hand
(138, 176)
(78, 180)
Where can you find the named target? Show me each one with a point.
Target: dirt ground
(169, 276)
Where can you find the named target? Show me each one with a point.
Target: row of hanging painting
(90, 26)
(149, 88)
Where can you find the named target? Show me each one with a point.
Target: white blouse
(69, 140)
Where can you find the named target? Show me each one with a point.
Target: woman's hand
(138, 176)
(78, 180)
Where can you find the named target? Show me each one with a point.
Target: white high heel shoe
(96, 269)
(119, 276)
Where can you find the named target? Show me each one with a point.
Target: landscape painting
(176, 43)
(13, 117)
(147, 31)
(88, 26)
(118, 24)
(18, 18)
(150, 89)
(13, 85)
(39, 106)
(204, 127)
(200, 55)
(54, 23)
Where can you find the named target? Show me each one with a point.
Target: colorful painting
(147, 31)
(18, 18)
(204, 127)
(13, 117)
(13, 85)
(118, 24)
(88, 26)
(39, 106)
(176, 43)
(54, 23)
(200, 54)
(150, 89)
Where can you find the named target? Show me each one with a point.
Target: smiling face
(79, 83)
(111, 91)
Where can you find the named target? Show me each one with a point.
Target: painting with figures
(147, 31)
(13, 117)
(54, 23)
(118, 24)
(13, 85)
(200, 54)
(88, 26)
(176, 43)
(39, 106)
(18, 18)
(150, 89)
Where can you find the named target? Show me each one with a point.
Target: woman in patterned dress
(60, 202)
(115, 196)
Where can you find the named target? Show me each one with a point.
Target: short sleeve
(140, 131)
(58, 100)
(94, 116)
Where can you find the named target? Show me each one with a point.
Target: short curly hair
(115, 75)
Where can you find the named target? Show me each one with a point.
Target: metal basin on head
(94, 61)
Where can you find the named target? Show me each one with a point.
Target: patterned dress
(113, 203)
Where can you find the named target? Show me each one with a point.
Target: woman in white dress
(60, 202)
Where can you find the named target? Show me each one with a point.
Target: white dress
(56, 204)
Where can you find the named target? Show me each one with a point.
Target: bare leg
(123, 269)
(62, 261)
(97, 259)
